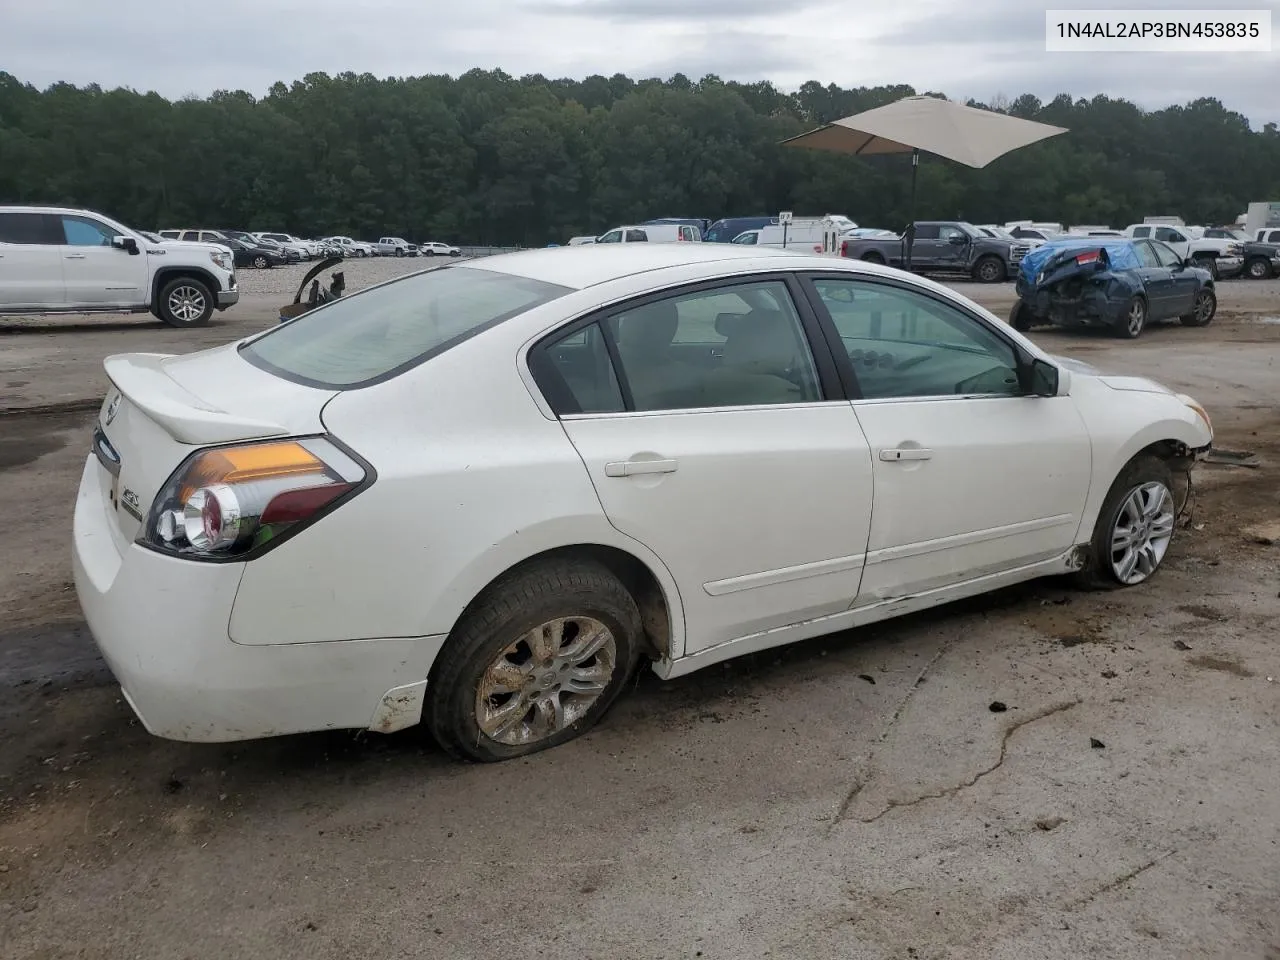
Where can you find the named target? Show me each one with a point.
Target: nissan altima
(477, 497)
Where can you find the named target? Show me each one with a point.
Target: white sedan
(476, 497)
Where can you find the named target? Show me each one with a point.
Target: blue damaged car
(1114, 284)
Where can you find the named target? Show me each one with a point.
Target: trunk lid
(161, 408)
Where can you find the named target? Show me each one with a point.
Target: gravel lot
(854, 797)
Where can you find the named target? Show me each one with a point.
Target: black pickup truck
(1261, 260)
(943, 246)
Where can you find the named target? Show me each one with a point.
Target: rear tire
(261, 262)
(1020, 317)
(872, 258)
(1135, 525)
(511, 659)
(185, 302)
(1202, 314)
(1208, 263)
(1133, 321)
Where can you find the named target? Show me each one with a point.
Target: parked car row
(263, 250)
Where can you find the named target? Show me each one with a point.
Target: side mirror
(1042, 379)
(125, 243)
(957, 241)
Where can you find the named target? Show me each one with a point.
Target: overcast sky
(964, 48)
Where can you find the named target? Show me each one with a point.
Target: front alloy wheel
(1141, 533)
(1134, 528)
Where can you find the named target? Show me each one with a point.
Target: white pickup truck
(1222, 257)
(395, 247)
(59, 260)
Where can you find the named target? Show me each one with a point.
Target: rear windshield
(378, 333)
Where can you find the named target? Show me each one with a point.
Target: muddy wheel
(535, 663)
(1020, 316)
(1258, 269)
(1130, 324)
(1206, 305)
(989, 269)
(1135, 526)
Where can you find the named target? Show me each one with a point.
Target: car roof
(590, 264)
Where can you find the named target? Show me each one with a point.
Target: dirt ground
(858, 796)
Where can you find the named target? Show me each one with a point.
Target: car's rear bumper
(161, 624)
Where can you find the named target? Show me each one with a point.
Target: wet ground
(858, 796)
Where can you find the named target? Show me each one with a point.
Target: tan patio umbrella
(965, 134)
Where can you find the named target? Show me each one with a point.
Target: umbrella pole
(911, 207)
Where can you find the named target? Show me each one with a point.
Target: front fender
(1132, 422)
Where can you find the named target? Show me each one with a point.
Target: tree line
(487, 158)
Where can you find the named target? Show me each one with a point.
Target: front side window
(948, 233)
(1168, 235)
(380, 332)
(905, 344)
(613, 236)
(750, 238)
(1146, 255)
(736, 346)
(1166, 256)
(83, 232)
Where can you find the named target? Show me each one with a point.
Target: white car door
(971, 476)
(713, 443)
(96, 273)
(30, 261)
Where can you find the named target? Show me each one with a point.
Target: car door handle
(906, 453)
(633, 468)
(75, 256)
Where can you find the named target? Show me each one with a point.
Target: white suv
(58, 260)
(433, 249)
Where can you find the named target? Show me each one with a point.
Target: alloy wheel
(545, 681)
(187, 303)
(1137, 318)
(1141, 533)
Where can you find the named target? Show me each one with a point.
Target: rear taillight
(844, 248)
(227, 503)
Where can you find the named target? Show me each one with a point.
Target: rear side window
(381, 332)
(1142, 231)
(637, 236)
(40, 228)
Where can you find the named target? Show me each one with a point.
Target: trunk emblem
(112, 408)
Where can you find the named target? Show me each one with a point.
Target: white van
(804, 234)
(652, 233)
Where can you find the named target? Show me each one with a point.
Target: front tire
(1135, 526)
(185, 302)
(1202, 313)
(989, 269)
(1131, 323)
(535, 662)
